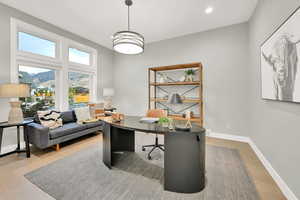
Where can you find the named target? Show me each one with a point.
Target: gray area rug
(83, 176)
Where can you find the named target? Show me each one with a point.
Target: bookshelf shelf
(190, 100)
(176, 83)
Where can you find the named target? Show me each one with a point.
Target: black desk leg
(114, 140)
(26, 141)
(18, 138)
(1, 134)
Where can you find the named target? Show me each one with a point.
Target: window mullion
(64, 84)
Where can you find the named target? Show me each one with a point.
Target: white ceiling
(98, 20)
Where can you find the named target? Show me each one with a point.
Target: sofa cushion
(94, 124)
(50, 118)
(66, 129)
(82, 114)
(68, 117)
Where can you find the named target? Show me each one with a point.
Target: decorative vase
(190, 78)
(182, 79)
(165, 125)
(161, 80)
(171, 124)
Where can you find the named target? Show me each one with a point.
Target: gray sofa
(42, 137)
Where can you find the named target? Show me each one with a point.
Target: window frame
(60, 63)
(39, 56)
(40, 33)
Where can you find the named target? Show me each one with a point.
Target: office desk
(184, 156)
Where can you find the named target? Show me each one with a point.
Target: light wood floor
(13, 185)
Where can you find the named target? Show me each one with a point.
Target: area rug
(83, 176)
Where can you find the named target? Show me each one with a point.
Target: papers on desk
(149, 120)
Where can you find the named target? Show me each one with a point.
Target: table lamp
(108, 93)
(175, 99)
(14, 90)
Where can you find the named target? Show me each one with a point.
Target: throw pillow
(82, 114)
(50, 118)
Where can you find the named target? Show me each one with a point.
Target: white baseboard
(280, 182)
(228, 137)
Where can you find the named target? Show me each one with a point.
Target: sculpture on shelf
(188, 116)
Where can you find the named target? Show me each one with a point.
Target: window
(78, 56)
(36, 45)
(62, 73)
(79, 89)
(42, 84)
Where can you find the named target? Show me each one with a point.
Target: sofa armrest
(38, 135)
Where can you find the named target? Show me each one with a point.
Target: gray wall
(105, 57)
(224, 55)
(276, 125)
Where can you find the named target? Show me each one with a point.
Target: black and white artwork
(280, 56)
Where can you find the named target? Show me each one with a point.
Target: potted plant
(190, 75)
(164, 121)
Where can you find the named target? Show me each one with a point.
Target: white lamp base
(15, 114)
(108, 103)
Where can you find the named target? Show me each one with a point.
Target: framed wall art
(280, 59)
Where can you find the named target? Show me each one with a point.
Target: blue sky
(37, 45)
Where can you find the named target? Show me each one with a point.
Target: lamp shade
(128, 42)
(14, 90)
(108, 92)
(175, 99)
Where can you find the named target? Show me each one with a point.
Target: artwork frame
(280, 62)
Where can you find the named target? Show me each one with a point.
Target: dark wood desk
(184, 157)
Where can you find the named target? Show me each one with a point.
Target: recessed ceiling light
(209, 10)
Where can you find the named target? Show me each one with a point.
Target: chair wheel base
(149, 158)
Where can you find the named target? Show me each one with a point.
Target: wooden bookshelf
(191, 100)
(198, 84)
(193, 119)
(174, 67)
(176, 83)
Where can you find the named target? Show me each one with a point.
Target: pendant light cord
(128, 19)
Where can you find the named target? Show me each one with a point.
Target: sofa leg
(57, 147)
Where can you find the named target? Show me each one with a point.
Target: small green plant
(190, 72)
(163, 120)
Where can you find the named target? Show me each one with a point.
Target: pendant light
(128, 42)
